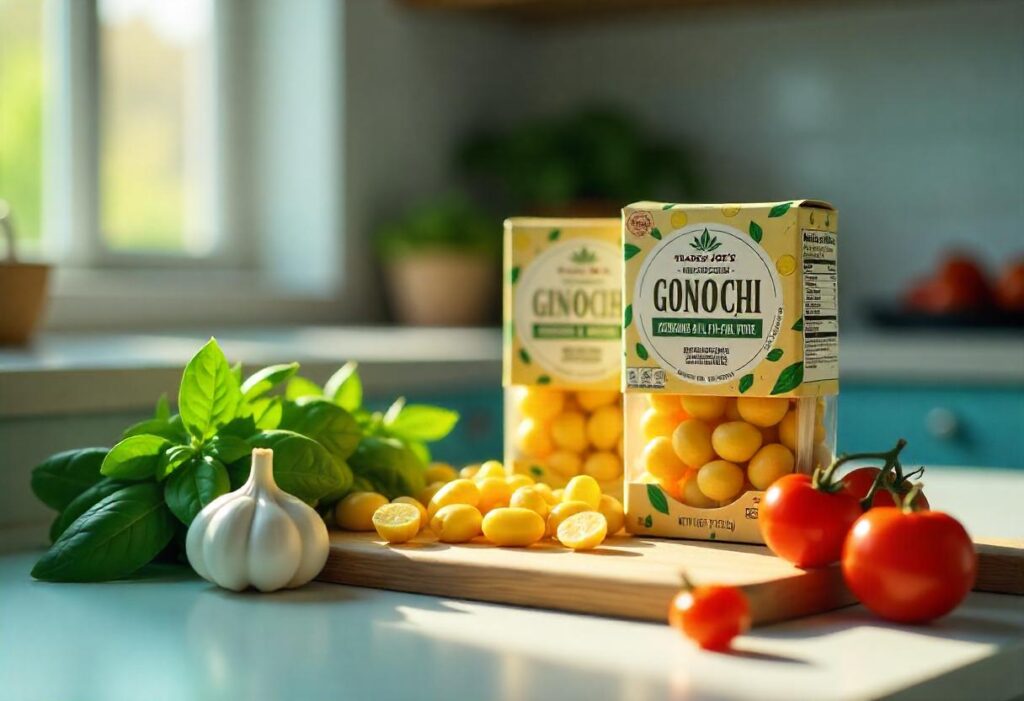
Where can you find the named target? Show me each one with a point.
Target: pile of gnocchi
(484, 503)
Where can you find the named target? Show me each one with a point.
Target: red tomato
(859, 482)
(710, 616)
(909, 566)
(1010, 288)
(806, 525)
(966, 278)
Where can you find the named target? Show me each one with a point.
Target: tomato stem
(825, 480)
(909, 505)
(685, 582)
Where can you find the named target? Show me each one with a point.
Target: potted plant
(587, 163)
(441, 264)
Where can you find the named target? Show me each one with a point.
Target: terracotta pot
(443, 289)
(22, 289)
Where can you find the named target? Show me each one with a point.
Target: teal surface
(989, 423)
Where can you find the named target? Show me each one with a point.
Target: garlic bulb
(258, 535)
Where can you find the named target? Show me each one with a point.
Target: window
(21, 114)
(157, 106)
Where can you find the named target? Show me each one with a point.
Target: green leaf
(746, 382)
(115, 537)
(302, 467)
(242, 426)
(628, 316)
(789, 379)
(666, 207)
(173, 458)
(514, 274)
(299, 387)
(641, 351)
(82, 503)
(194, 486)
(266, 412)
(61, 477)
(163, 408)
(422, 422)
(227, 448)
(774, 354)
(657, 498)
(170, 428)
(779, 209)
(630, 250)
(345, 388)
(755, 231)
(656, 234)
(209, 395)
(420, 450)
(236, 370)
(543, 380)
(798, 325)
(262, 381)
(328, 424)
(390, 466)
(554, 234)
(524, 355)
(135, 458)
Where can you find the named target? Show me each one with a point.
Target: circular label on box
(707, 303)
(568, 310)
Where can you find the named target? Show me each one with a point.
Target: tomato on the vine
(858, 483)
(710, 615)
(909, 566)
(806, 522)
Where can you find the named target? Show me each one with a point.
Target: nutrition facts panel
(821, 311)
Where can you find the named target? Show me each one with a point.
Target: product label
(567, 310)
(707, 304)
(821, 310)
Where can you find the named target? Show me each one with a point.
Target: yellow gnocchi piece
(397, 523)
(491, 468)
(440, 472)
(614, 515)
(768, 464)
(602, 466)
(604, 427)
(534, 439)
(583, 531)
(460, 491)
(583, 488)
(456, 523)
(736, 441)
(415, 503)
(590, 400)
(720, 480)
(704, 407)
(540, 403)
(494, 493)
(569, 431)
(513, 527)
(691, 442)
(564, 510)
(762, 411)
(530, 498)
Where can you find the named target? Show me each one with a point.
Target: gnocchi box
(731, 359)
(562, 350)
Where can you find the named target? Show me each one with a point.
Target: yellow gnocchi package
(731, 359)
(562, 349)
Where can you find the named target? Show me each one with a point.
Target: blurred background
(299, 178)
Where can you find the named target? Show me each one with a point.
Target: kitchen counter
(172, 636)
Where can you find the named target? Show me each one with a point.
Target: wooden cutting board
(627, 577)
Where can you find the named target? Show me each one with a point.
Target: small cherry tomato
(859, 482)
(909, 566)
(1010, 288)
(711, 616)
(804, 523)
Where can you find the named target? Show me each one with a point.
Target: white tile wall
(908, 116)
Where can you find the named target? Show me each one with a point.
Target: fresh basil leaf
(422, 422)
(115, 537)
(299, 387)
(789, 379)
(302, 466)
(170, 428)
(60, 478)
(420, 450)
(262, 381)
(135, 458)
(345, 388)
(390, 466)
(227, 448)
(361, 484)
(173, 458)
(266, 412)
(242, 426)
(209, 396)
(82, 503)
(194, 486)
(393, 411)
(236, 370)
(163, 408)
(328, 424)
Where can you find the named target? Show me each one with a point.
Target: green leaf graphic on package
(120, 508)
(583, 256)
(705, 243)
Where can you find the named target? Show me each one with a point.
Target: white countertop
(172, 637)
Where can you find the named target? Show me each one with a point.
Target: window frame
(73, 149)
